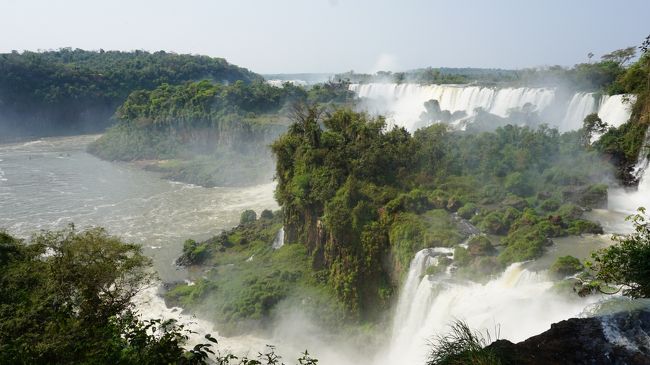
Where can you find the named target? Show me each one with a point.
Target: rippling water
(49, 183)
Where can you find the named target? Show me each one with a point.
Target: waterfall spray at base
(515, 305)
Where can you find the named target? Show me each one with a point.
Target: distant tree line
(73, 91)
(589, 76)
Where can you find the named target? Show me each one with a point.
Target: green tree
(620, 56)
(626, 264)
(591, 125)
(247, 216)
(66, 298)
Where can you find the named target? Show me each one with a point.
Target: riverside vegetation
(65, 298)
(194, 132)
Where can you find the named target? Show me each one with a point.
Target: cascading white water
(279, 239)
(614, 110)
(405, 102)
(581, 105)
(517, 304)
(627, 201)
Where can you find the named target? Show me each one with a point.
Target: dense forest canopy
(73, 91)
(358, 194)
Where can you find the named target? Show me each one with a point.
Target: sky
(291, 36)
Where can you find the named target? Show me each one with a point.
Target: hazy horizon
(328, 36)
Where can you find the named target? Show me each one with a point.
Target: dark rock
(616, 339)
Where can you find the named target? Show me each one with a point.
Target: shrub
(467, 211)
(462, 346)
(247, 216)
(480, 246)
(525, 243)
(565, 266)
(518, 184)
(626, 264)
(266, 214)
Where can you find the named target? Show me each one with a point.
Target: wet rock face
(617, 339)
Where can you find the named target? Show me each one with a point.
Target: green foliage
(247, 216)
(194, 253)
(68, 91)
(626, 264)
(244, 284)
(624, 143)
(480, 246)
(461, 256)
(343, 177)
(591, 125)
(565, 266)
(202, 129)
(462, 346)
(194, 118)
(550, 205)
(524, 243)
(65, 297)
(517, 183)
(468, 210)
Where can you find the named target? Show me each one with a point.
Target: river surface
(52, 182)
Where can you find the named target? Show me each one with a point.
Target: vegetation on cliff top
(623, 144)
(603, 75)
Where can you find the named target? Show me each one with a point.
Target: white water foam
(518, 304)
(405, 102)
(279, 239)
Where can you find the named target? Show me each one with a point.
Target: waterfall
(614, 110)
(404, 103)
(581, 105)
(279, 239)
(517, 304)
(641, 168)
(626, 200)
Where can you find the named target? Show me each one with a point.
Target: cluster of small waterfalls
(404, 103)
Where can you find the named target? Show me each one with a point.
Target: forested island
(210, 134)
(73, 91)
